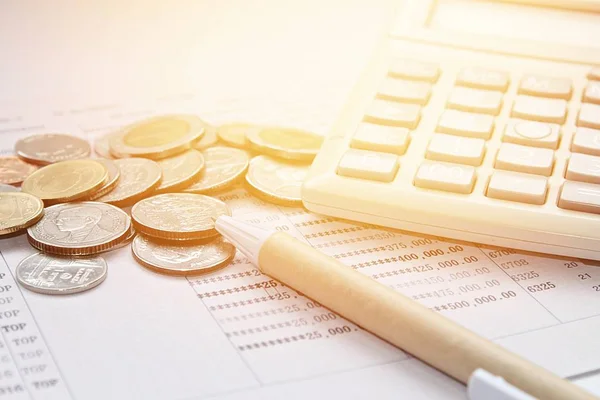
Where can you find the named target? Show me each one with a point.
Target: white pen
(405, 323)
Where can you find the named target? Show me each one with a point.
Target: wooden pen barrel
(403, 322)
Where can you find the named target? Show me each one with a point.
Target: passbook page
(236, 333)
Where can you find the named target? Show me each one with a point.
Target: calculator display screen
(518, 21)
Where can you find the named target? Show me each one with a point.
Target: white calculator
(478, 121)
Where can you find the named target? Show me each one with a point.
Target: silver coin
(175, 259)
(82, 228)
(8, 188)
(47, 274)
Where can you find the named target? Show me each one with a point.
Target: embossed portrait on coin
(80, 224)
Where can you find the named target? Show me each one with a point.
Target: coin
(125, 242)
(276, 181)
(224, 166)
(114, 173)
(178, 216)
(19, 211)
(180, 171)
(291, 144)
(47, 274)
(13, 170)
(66, 181)
(82, 228)
(102, 146)
(209, 138)
(236, 134)
(139, 178)
(180, 259)
(49, 148)
(8, 188)
(158, 137)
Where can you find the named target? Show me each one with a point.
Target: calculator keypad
(589, 116)
(414, 70)
(386, 139)
(522, 148)
(557, 88)
(579, 196)
(531, 133)
(391, 113)
(455, 149)
(540, 109)
(586, 141)
(368, 165)
(405, 91)
(483, 78)
(446, 177)
(531, 160)
(466, 124)
(583, 167)
(522, 188)
(592, 93)
(475, 100)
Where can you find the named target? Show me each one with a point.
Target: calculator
(477, 121)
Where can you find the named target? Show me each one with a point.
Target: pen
(405, 323)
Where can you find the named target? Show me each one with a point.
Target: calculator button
(455, 149)
(539, 109)
(447, 177)
(482, 78)
(531, 160)
(592, 93)
(368, 165)
(557, 88)
(387, 139)
(405, 91)
(594, 74)
(475, 100)
(523, 188)
(580, 196)
(394, 114)
(531, 133)
(583, 167)
(589, 116)
(466, 124)
(586, 141)
(415, 70)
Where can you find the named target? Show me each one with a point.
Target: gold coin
(51, 147)
(19, 211)
(291, 144)
(113, 178)
(180, 171)
(66, 181)
(139, 178)
(13, 170)
(182, 259)
(209, 139)
(276, 181)
(102, 146)
(224, 166)
(236, 134)
(178, 216)
(79, 229)
(158, 137)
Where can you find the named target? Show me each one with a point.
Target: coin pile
(165, 168)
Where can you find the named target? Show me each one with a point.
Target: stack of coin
(277, 174)
(177, 234)
(64, 234)
(164, 168)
